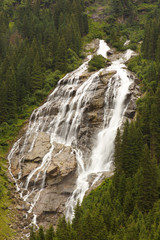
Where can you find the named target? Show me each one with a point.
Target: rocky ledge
(56, 181)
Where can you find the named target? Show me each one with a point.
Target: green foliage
(95, 31)
(5, 231)
(39, 42)
(96, 63)
(73, 60)
(49, 234)
(33, 58)
(127, 205)
(33, 41)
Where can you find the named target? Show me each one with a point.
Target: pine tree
(93, 227)
(116, 7)
(11, 94)
(155, 132)
(3, 102)
(50, 234)
(125, 148)
(61, 56)
(117, 153)
(41, 233)
(37, 75)
(158, 50)
(32, 234)
(62, 232)
(147, 182)
(135, 144)
(78, 213)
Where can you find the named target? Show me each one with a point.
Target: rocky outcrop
(92, 47)
(106, 75)
(131, 99)
(46, 169)
(60, 177)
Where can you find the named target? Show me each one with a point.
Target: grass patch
(5, 231)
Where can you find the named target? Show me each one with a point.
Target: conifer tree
(50, 234)
(32, 234)
(158, 50)
(3, 103)
(61, 56)
(117, 153)
(155, 132)
(37, 75)
(147, 182)
(62, 232)
(11, 94)
(41, 233)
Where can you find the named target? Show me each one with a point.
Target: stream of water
(63, 127)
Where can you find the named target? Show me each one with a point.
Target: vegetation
(5, 231)
(96, 63)
(39, 42)
(127, 205)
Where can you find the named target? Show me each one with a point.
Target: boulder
(55, 181)
(92, 47)
(40, 149)
(106, 75)
(110, 52)
(97, 103)
(63, 160)
(130, 113)
(84, 76)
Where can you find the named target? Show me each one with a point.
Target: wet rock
(53, 199)
(63, 161)
(92, 116)
(59, 172)
(92, 47)
(27, 168)
(130, 113)
(41, 147)
(110, 52)
(97, 103)
(53, 110)
(92, 179)
(15, 167)
(106, 75)
(19, 207)
(85, 76)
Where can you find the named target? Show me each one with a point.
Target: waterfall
(102, 151)
(59, 119)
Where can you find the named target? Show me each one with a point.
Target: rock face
(60, 176)
(131, 99)
(44, 161)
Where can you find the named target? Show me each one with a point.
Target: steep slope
(56, 156)
(119, 37)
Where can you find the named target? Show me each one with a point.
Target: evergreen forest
(42, 40)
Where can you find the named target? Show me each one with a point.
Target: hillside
(40, 41)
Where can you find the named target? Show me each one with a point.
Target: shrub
(96, 63)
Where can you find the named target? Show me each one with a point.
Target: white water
(126, 42)
(101, 157)
(103, 49)
(73, 97)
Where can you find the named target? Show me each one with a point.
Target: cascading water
(101, 156)
(59, 120)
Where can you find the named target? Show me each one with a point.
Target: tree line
(37, 39)
(126, 206)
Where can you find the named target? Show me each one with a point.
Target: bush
(73, 60)
(96, 63)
